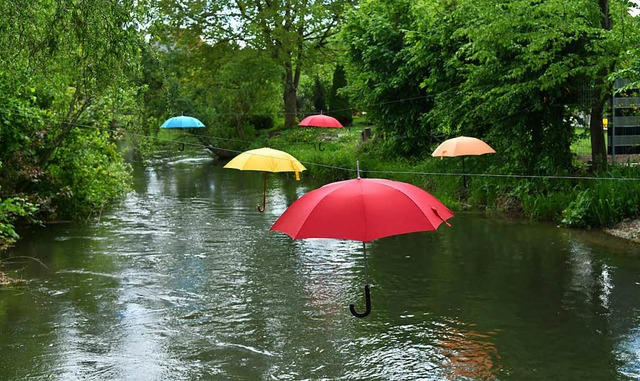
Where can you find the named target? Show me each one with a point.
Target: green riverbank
(578, 198)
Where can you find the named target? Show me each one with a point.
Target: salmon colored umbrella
(362, 210)
(267, 160)
(462, 146)
(325, 121)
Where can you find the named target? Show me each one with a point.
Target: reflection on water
(469, 354)
(183, 281)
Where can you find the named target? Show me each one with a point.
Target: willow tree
(293, 32)
(65, 63)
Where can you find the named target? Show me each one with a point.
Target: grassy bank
(580, 201)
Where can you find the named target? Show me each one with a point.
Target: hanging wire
(388, 172)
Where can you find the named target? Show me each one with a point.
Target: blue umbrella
(182, 121)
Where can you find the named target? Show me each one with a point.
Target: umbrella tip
(358, 167)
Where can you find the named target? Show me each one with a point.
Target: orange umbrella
(462, 146)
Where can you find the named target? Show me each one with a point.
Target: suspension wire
(515, 176)
(373, 104)
(390, 172)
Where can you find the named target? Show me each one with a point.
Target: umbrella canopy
(322, 121)
(462, 146)
(325, 121)
(182, 121)
(266, 160)
(362, 210)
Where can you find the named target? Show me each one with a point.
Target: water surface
(183, 281)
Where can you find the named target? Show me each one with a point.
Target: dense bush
(86, 175)
(11, 211)
(605, 201)
(261, 121)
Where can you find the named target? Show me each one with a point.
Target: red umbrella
(323, 121)
(362, 210)
(320, 121)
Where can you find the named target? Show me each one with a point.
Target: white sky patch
(635, 10)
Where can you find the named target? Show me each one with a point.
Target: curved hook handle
(261, 208)
(181, 147)
(320, 146)
(367, 311)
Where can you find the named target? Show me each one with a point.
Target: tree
(228, 87)
(618, 49)
(531, 61)
(509, 70)
(522, 64)
(386, 76)
(319, 99)
(246, 87)
(338, 102)
(601, 91)
(61, 72)
(293, 33)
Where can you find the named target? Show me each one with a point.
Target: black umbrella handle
(367, 311)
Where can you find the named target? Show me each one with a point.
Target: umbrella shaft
(264, 192)
(366, 274)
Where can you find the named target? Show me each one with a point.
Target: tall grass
(604, 202)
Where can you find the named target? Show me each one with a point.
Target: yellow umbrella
(267, 160)
(462, 146)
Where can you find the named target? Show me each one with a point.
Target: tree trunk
(290, 104)
(240, 127)
(536, 147)
(292, 79)
(598, 147)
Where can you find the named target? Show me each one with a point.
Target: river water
(183, 281)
